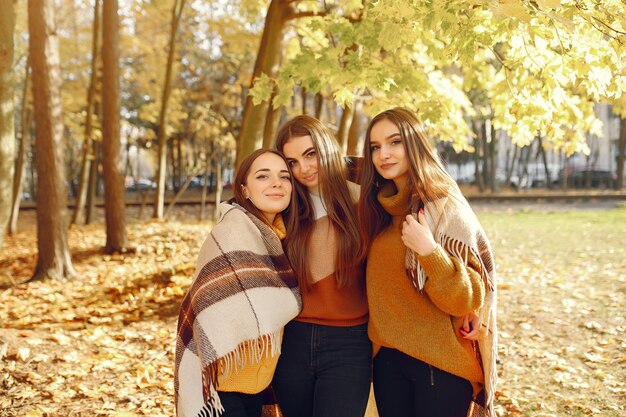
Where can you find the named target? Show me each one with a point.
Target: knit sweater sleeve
(454, 288)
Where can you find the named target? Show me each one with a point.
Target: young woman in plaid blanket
(429, 268)
(243, 293)
(325, 365)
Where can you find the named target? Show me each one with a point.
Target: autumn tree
(54, 259)
(7, 128)
(113, 180)
(18, 179)
(88, 148)
(541, 65)
(177, 10)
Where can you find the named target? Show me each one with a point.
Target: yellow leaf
(551, 4)
(35, 413)
(23, 353)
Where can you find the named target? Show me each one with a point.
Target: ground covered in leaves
(102, 344)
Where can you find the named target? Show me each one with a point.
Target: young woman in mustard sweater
(325, 366)
(243, 293)
(429, 266)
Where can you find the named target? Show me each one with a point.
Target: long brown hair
(241, 178)
(428, 179)
(334, 192)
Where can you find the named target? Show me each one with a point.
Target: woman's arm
(453, 287)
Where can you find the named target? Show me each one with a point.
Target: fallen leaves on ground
(102, 344)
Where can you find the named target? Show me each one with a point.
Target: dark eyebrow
(393, 135)
(285, 171)
(312, 148)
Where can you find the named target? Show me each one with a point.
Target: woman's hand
(470, 327)
(416, 235)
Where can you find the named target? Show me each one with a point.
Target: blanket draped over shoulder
(460, 233)
(243, 293)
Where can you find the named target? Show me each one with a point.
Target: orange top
(325, 302)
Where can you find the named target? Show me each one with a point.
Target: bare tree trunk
(87, 148)
(621, 150)
(355, 139)
(544, 158)
(509, 172)
(207, 168)
(219, 186)
(21, 153)
(478, 141)
(303, 96)
(493, 156)
(319, 105)
(344, 126)
(253, 119)
(113, 180)
(271, 125)
(7, 124)
(54, 259)
(564, 177)
(159, 200)
(92, 189)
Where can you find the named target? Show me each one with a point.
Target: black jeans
(323, 371)
(237, 404)
(407, 387)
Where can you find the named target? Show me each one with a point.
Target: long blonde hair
(333, 186)
(428, 180)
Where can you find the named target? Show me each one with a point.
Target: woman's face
(268, 185)
(301, 155)
(388, 152)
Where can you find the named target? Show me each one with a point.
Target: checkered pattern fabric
(243, 293)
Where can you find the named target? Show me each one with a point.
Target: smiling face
(388, 152)
(301, 155)
(268, 185)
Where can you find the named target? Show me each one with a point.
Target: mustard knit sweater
(423, 326)
(254, 377)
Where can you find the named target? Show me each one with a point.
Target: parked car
(141, 185)
(596, 178)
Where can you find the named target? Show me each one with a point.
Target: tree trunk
(159, 199)
(355, 139)
(621, 150)
(493, 156)
(207, 169)
(253, 119)
(21, 153)
(87, 148)
(218, 183)
(113, 180)
(319, 105)
(7, 124)
(344, 126)
(92, 189)
(478, 172)
(509, 172)
(303, 96)
(54, 259)
(271, 125)
(544, 158)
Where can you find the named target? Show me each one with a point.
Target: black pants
(407, 387)
(237, 404)
(323, 371)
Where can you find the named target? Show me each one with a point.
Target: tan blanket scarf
(459, 233)
(243, 293)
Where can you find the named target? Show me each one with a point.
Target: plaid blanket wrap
(243, 293)
(460, 233)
